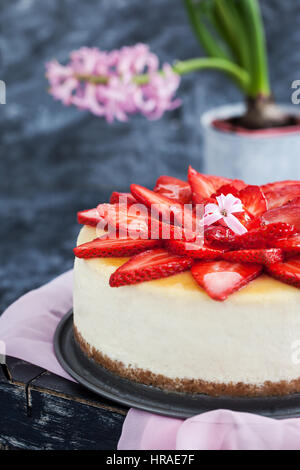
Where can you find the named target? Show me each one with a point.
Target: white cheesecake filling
(172, 327)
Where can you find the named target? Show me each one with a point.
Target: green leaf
(258, 67)
(196, 14)
(230, 27)
(236, 72)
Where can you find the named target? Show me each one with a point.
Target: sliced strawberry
(226, 189)
(287, 271)
(222, 278)
(253, 224)
(132, 220)
(277, 185)
(238, 184)
(289, 213)
(290, 246)
(164, 207)
(253, 200)
(219, 236)
(170, 232)
(162, 204)
(117, 198)
(152, 264)
(89, 217)
(247, 220)
(104, 246)
(262, 237)
(263, 256)
(174, 188)
(219, 181)
(280, 193)
(135, 222)
(193, 250)
(294, 202)
(204, 186)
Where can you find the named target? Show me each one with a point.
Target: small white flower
(224, 210)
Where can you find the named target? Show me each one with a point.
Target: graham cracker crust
(147, 377)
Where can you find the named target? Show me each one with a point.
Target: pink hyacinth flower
(107, 83)
(223, 212)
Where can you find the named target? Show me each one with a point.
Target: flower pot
(255, 156)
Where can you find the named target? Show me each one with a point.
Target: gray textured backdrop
(55, 160)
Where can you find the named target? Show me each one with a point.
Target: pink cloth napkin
(27, 328)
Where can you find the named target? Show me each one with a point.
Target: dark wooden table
(40, 410)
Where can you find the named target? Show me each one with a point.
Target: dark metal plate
(144, 397)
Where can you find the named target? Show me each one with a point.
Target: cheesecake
(216, 314)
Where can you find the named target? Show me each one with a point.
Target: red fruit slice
(253, 200)
(226, 189)
(163, 205)
(280, 193)
(287, 271)
(132, 220)
(221, 181)
(278, 185)
(264, 236)
(238, 184)
(289, 213)
(204, 186)
(193, 250)
(152, 264)
(217, 235)
(117, 198)
(222, 278)
(290, 246)
(247, 220)
(89, 217)
(105, 247)
(263, 256)
(170, 210)
(170, 232)
(135, 222)
(174, 188)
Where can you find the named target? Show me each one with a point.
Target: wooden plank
(40, 410)
(21, 372)
(51, 383)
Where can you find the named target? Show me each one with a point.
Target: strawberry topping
(89, 217)
(162, 206)
(163, 232)
(290, 246)
(262, 256)
(222, 278)
(149, 265)
(204, 186)
(289, 213)
(226, 189)
(280, 193)
(174, 188)
(104, 246)
(217, 235)
(253, 200)
(287, 271)
(120, 198)
(261, 237)
(193, 250)
(132, 220)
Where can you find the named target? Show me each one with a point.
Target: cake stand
(174, 404)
